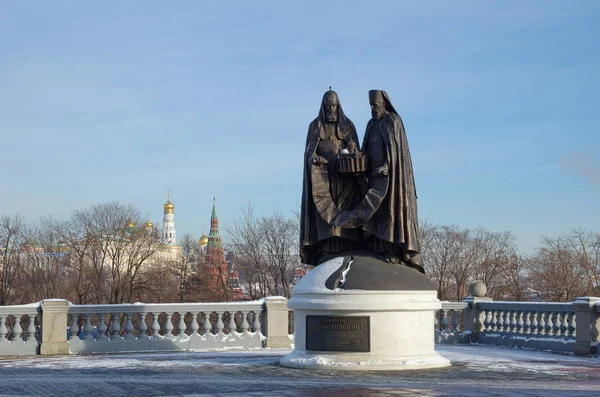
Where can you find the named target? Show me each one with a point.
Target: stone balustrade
(55, 326)
(542, 326)
(146, 327)
(559, 327)
(74, 329)
(449, 323)
(19, 329)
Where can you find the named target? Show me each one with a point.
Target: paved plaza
(476, 371)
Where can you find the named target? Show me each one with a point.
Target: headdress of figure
(343, 122)
(381, 95)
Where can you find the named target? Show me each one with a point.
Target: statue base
(383, 326)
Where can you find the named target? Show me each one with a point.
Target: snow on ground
(476, 370)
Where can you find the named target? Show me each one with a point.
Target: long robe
(339, 189)
(395, 220)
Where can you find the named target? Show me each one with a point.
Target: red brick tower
(215, 266)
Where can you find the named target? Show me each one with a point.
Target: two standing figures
(358, 200)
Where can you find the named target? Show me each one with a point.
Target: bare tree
(493, 252)
(110, 252)
(266, 248)
(515, 279)
(565, 267)
(183, 267)
(11, 239)
(45, 262)
(280, 240)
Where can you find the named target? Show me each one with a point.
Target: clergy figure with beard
(392, 230)
(329, 135)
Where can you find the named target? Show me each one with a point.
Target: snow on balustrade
(19, 329)
(449, 326)
(165, 326)
(544, 326)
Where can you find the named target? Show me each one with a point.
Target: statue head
(377, 104)
(330, 106)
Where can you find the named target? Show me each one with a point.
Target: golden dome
(203, 240)
(148, 224)
(130, 224)
(169, 207)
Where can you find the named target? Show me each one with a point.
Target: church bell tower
(168, 232)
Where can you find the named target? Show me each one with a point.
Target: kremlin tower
(215, 265)
(168, 233)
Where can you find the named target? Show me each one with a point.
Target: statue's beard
(377, 114)
(331, 117)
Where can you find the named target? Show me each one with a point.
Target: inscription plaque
(338, 333)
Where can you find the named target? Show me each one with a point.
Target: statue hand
(319, 160)
(352, 147)
(381, 171)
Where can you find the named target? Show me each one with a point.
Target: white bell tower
(168, 233)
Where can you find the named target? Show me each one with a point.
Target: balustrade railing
(19, 329)
(57, 327)
(449, 323)
(543, 326)
(170, 326)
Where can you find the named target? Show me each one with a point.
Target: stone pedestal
(362, 329)
(54, 327)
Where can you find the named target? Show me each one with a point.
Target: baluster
(87, 328)
(17, 331)
(478, 321)
(74, 329)
(541, 324)
(519, 322)
(555, 324)
(500, 321)
(245, 324)
(181, 326)
(115, 327)
(232, 325)
(534, 323)
(527, 323)
(128, 326)
(564, 324)
(31, 329)
(168, 326)
(548, 327)
(155, 325)
(510, 322)
(142, 327)
(102, 326)
(572, 324)
(3, 330)
(444, 321)
(256, 322)
(488, 321)
(455, 321)
(220, 324)
(206, 326)
(494, 317)
(194, 325)
(506, 323)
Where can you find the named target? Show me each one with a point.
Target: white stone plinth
(401, 325)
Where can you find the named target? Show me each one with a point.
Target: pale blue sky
(114, 100)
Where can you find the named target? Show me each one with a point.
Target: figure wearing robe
(320, 240)
(392, 231)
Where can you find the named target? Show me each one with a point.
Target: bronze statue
(392, 230)
(359, 203)
(329, 135)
